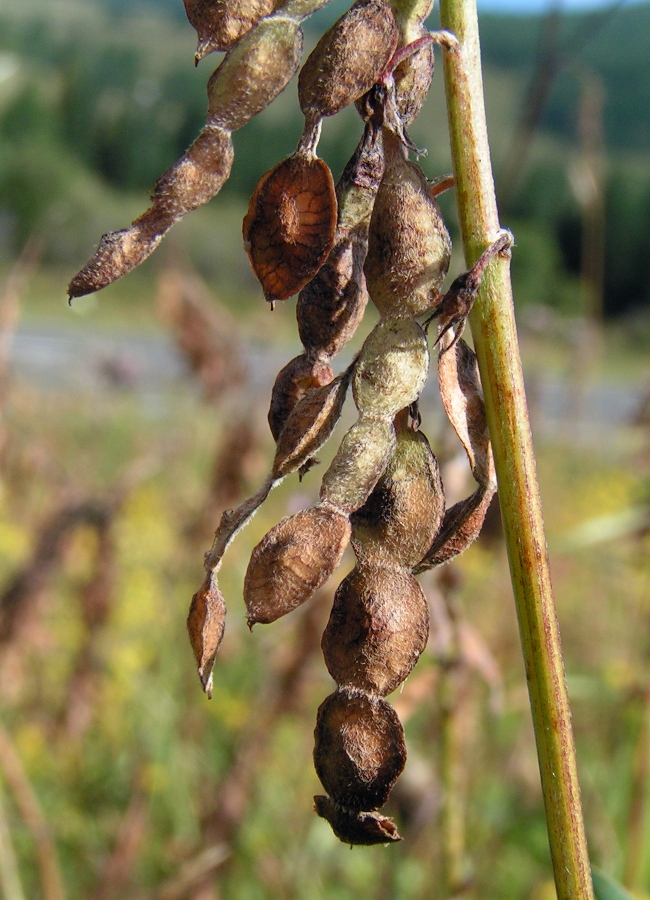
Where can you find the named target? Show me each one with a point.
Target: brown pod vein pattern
(219, 24)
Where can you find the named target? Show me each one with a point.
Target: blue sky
(535, 6)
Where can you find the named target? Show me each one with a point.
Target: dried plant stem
(495, 340)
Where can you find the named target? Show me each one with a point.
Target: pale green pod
(358, 464)
(409, 247)
(254, 72)
(392, 368)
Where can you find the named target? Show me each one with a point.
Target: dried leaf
(293, 560)
(361, 828)
(205, 625)
(309, 426)
(290, 225)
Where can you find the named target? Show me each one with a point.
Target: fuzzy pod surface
(219, 24)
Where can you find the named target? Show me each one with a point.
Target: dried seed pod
(309, 425)
(293, 381)
(413, 75)
(295, 558)
(254, 72)
(205, 625)
(219, 24)
(402, 516)
(378, 627)
(190, 183)
(348, 59)
(359, 749)
(290, 225)
(358, 464)
(363, 828)
(391, 369)
(409, 247)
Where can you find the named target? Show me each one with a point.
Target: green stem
(495, 341)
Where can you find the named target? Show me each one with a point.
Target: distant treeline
(94, 93)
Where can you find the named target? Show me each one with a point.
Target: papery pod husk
(378, 627)
(293, 560)
(460, 527)
(190, 183)
(348, 59)
(254, 72)
(359, 750)
(309, 425)
(413, 76)
(359, 828)
(358, 464)
(293, 382)
(409, 247)
(391, 369)
(205, 626)
(290, 225)
(402, 516)
(219, 24)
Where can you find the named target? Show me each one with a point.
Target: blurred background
(129, 421)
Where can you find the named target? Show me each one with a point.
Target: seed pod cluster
(256, 69)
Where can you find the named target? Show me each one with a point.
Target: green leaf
(605, 888)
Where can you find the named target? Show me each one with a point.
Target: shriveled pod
(392, 368)
(413, 75)
(377, 629)
(409, 247)
(348, 59)
(400, 519)
(219, 24)
(363, 454)
(359, 749)
(290, 225)
(361, 828)
(190, 183)
(205, 624)
(293, 560)
(293, 381)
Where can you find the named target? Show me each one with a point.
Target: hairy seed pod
(414, 74)
(358, 464)
(359, 749)
(295, 558)
(409, 247)
(378, 627)
(309, 425)
(254, 72)
(190, 183)
(361, 828)
(399, 520)
(219, 24)
(292, 383)
(392, 368)
(290, 225)
(348, 59)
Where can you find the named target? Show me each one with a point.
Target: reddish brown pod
(293, 560)
(290, 225)
(361, 828)
(219, 24)
(292, 383)
(378, 627)
(348, 59)
(359, 749)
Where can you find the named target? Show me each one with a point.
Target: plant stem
(495, 342)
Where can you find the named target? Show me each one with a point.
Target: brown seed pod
(190, 183)
(348, 59)
(378, 627)
(254, 72)
(363, 828)
(290, 225)
(399, 520)
(219, 24)
(392, 368)
(205, 625)
(412, 76)
(409, 247)
(295, 558)
(293, 382)
(358, 464)
(309, 425)
(359, 749)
